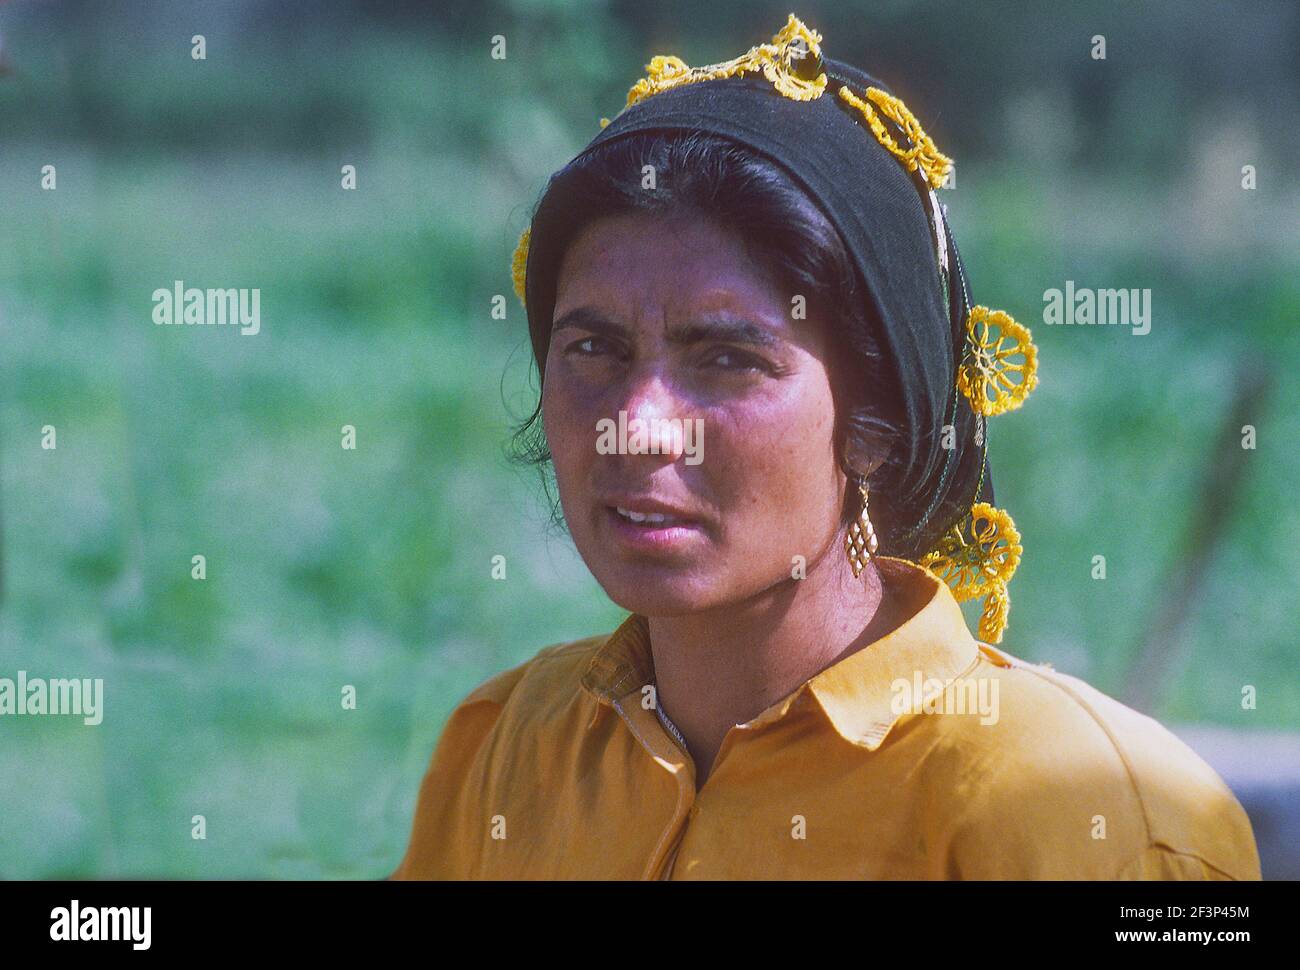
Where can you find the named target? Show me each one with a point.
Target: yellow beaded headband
(998, 362)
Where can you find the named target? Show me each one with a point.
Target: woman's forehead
(674, 266)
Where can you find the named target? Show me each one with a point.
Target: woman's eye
(584, 351)
(735, 360)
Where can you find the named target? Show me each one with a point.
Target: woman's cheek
(563, 410)
(579, 402)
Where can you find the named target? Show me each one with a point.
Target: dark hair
(785, 232)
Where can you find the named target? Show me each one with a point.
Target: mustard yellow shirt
(925, 755)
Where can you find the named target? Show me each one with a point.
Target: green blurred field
(371, 567)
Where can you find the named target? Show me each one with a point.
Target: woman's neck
(718, 668)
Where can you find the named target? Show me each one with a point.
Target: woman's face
(667, 318)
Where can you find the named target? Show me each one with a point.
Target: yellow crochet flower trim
(519, 263)
(993, 621)
(776, 60)
(990, 376)
(978, 557)
(923, 154)
(980, 551)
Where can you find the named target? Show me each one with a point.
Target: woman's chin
(657, 592)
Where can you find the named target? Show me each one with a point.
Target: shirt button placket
(693, 811)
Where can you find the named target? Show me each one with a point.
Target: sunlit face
(670, 318)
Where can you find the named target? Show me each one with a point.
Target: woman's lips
(657, 532)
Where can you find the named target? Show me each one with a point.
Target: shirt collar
(856, 694)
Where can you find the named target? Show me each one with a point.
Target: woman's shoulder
(1068, 715)
(1066, 756)
(553, 671)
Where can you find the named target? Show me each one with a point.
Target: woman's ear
(862, 457)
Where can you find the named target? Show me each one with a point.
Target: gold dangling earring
(860, 539)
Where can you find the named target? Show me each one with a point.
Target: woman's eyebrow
(724, 328)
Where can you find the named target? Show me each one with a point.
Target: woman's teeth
(653, 518)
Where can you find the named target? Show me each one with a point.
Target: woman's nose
(652, 404)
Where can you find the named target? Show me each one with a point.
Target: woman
(764, 392)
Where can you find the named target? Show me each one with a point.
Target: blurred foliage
(329, 567)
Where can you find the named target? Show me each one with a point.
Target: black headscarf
(884, 214)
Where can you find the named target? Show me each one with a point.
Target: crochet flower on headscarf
(980, 552)
(923, 154)
(1000, 364)
(784, 62)
(518, 264)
